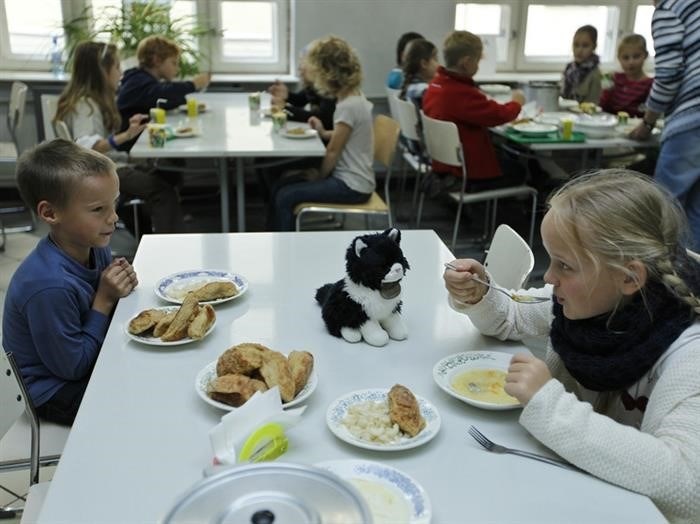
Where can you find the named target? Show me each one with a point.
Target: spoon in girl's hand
(515, 297)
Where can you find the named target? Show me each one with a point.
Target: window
(487, 20)
(255, 33)
(31, 25)
(642, 25)
(550, 30)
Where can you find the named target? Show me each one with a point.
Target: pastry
(162, 325)
(202, 321)
(178, 327)
(275, 371)
(235, 390)
(145, 321)
(216, 290)
(404, 410)
(243, 358)
(300, 364)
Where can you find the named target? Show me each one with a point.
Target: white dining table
(140, 439)
(228, 128)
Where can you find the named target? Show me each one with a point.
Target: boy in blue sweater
(60, 299)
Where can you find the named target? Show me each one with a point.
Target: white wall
(372, 28)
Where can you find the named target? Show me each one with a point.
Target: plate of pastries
(212, 286)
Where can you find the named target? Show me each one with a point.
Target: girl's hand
(460, 284)
(279, 90)
(526, 375)
(137, 123)
(316, 124)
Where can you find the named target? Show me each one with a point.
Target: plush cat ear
(359, 247)
(394, 234)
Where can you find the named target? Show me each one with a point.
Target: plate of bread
(172, 325)
(242, 370)
(299, 132)
(212, 286)
(383, 419)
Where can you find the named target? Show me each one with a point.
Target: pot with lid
(545, 94)
(271, 493)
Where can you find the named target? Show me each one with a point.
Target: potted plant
(127, 25)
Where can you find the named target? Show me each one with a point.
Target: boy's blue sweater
(48, 321)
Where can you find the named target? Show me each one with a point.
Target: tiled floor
(204, 216)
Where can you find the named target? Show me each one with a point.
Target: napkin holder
(255, 431)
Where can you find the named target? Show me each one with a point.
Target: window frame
(517, 62)
(207, 13)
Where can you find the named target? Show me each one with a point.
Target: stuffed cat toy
(366, 304)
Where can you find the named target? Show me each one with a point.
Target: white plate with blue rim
(391, 495)
(175, 287)
(484, 371)
(148, 338)
(338, 409)
(208, 373)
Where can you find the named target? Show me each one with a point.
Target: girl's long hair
(418, 51)
(92, 61)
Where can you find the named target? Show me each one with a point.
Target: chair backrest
(15, 112)
(15, 401)
(49, 104)
(391, 96)
(408, 119)
(62, 130)
(509, 259)
(386, 134)
(442, 141)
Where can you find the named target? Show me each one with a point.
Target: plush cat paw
(351, 335)
(395, 327)
(373, 333)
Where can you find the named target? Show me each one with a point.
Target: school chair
(386, 134)
(443, 144)
(49, 105)
(9, 152)
(19, 426)
(509, 259)
(410, 129)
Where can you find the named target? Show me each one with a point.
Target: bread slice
(178, 327)
(201, 322)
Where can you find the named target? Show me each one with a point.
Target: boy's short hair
(155, 48)
(633, 40)
(459, 44)
(51, 171)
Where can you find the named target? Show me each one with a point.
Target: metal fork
(497, 448)
(522, 299)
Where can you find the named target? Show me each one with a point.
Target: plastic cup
(254, 101)
(567, 129)
(192, 107)
(279, 121)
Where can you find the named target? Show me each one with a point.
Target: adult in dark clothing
(142, 86)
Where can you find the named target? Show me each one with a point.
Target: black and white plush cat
(366, 304)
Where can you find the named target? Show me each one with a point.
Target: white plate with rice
(391, 495)
(175, 287)
(361, 418)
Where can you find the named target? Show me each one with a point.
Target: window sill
(217, 78)
(516, 77)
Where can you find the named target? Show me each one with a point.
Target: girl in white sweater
(618, 393)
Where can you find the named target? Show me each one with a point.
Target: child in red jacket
(453, 96)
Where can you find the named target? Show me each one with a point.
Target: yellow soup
(487, 386)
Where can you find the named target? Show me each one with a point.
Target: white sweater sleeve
(86, 124)
(662, 460)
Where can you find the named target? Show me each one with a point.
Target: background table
(228, 128)
(141, 437)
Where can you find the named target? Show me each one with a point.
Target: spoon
(515, 297)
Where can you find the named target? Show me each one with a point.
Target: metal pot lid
(271, 493)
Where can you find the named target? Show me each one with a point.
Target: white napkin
(529, 110)
(231, 433)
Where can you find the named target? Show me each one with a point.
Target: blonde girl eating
(618, 393)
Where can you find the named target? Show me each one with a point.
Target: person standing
(675, 94)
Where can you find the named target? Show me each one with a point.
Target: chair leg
(532, 218)
(456, 227)
(137, 232)
(419, 213)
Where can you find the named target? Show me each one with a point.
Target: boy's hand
(279, 90)
(518, 96)
(278, 102)
(117, 281)
(460, 284)
(201, 80)
(526, 376)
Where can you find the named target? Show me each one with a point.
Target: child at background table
(295, 104)
(395, 77)
(419, 67)
(154, 78)
(87, 106)
(582, 77)
(454, 96)
(346, 175)
(631, 87)
(60, 299)
(618, 393)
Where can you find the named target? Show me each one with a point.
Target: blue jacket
(48, 322)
